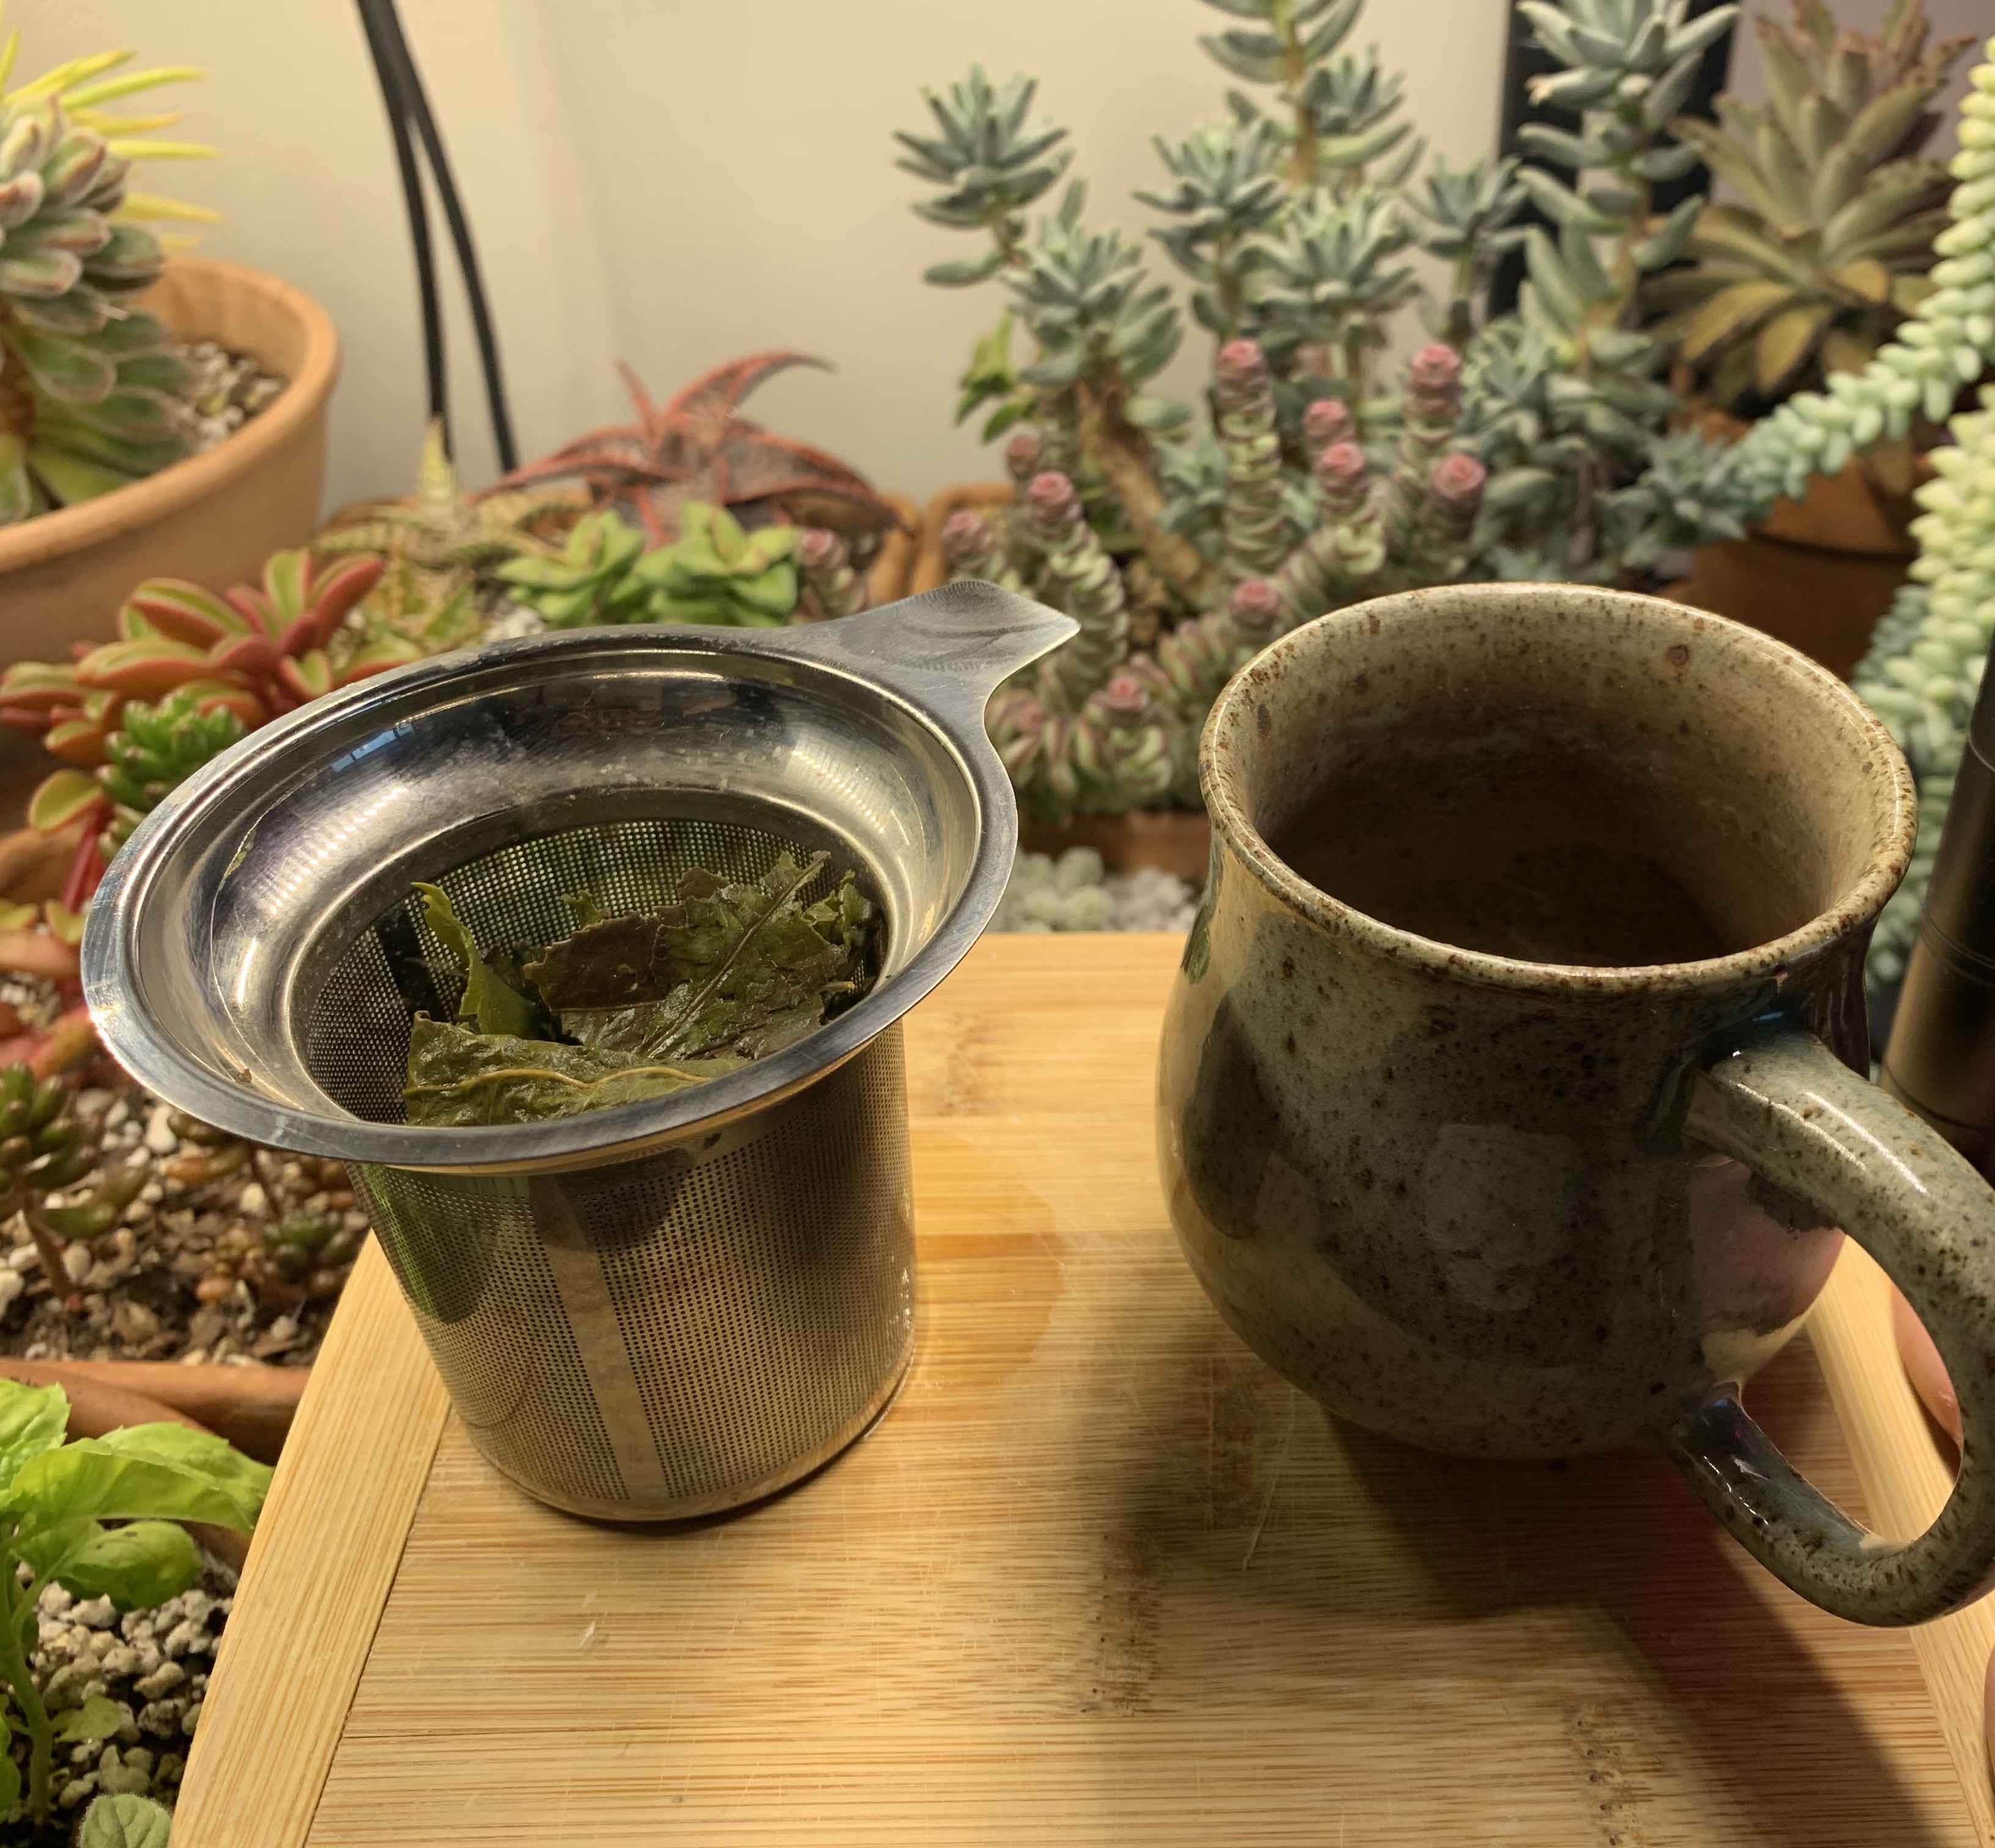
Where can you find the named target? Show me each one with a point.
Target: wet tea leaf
(488, 999)
(459, 1078)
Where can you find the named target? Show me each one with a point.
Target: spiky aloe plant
(1539, 445)
(1824, 245)
(90, 392)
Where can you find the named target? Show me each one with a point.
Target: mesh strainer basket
(646, 1313)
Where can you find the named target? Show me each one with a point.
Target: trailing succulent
(92, 396)
(1539, 445)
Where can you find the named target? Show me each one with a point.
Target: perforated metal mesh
(652, 1337)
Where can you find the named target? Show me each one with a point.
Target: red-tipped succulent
(255, 651)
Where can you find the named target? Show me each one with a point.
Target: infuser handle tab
(949, 649)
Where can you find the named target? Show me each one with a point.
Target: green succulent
(44, 1149)
(1826, 245)
(1225, 189)
(715, 572)
(1462, 216)
(91, 395)
(589, 581)
(155, 748)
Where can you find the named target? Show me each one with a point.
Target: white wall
(678, 181)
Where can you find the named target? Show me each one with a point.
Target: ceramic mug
(1504, 1208)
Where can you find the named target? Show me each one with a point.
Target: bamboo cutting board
(1097, 1577)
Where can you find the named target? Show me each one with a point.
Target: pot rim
(158, 498)
(1853, 910)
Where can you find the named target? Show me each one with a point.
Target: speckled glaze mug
(1505, 1208)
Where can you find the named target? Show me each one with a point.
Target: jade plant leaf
(461, 1079)
(489, 1001)
(742, 967)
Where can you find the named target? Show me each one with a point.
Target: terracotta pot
(1171, 840)
(214, 518)
(252, 1406)
(1820, 571)
(891, 576)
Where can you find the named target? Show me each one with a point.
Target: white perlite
(151, 1665)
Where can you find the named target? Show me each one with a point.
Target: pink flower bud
(1342, 465)
(1125, 695)
(1051, 494)
(1254, 603)
(1436, 368)
(964, 534)
(1022, 452)
(1326, 421)
(1457, 479)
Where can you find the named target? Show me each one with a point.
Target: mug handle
(1788, 1108)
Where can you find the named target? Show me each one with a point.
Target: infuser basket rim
(119, 911)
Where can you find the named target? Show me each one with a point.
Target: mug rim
(1887, 773)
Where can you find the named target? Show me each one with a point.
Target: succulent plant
(589, 581)
(445, 539)
(1538, 444)
(1825, 243)
(91, 392)
(44, 1149)
(831, 587)
(697, 447)
(715, 572)
(218, 665)
(1049, 894)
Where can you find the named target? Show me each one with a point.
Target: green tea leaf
(734, 967)
(462, 1079)
(96, 1719)
(32, 1419)
(488, 999)
(125, 1822)
(136, 1566)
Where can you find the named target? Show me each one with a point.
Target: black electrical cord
(415, 103)
(419, 220)
(408, 104)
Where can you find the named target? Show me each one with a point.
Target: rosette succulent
(92, 393)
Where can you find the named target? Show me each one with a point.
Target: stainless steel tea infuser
(666, 1308)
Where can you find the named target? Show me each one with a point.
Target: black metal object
(1524, 60)
(410, 120)
(1940, 1059)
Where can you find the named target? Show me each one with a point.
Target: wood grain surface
(1098, 1576)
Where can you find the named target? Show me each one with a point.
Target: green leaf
(96, 1719)
(10, 1802)
(201, 1454)
(96, 1478)
(125, 1822)
(68, 371)
(741, 967)
(32, 1419)
(460, 1079)
(487, 1001)
(136, 1566)
(959, 273)
(60, 797)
